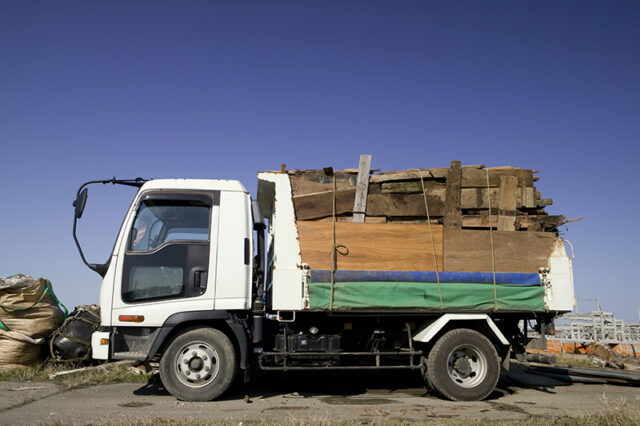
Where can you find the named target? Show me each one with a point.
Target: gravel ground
(308, 398)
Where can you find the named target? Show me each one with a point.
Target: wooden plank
(470, 250)
(535, 223)
(477, 178)
(318, 205)
(438, 173)
(507, 203)
(527, 196)
(313, 206)
(380, 247)
(412, 186)
(435, 173)
(367, 219)
(403, 205)
(314, 182)
(452, 209)
(362, 187)
(471, 198)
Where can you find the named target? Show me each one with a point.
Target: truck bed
(394, 262)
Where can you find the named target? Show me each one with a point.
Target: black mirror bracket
(79, 205)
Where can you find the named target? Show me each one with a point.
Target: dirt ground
(355, 398)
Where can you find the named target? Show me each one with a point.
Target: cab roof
(196, 184)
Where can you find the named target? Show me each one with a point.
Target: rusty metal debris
(587, 375)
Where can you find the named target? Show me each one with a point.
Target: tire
(199, 365)
(463, 365)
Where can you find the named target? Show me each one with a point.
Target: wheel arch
(224, 321)
(431, 331)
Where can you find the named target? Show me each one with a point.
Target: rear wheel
(463, 365)
(199, 365)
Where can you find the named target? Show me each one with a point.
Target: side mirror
(80, 202)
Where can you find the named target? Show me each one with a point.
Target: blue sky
(209, 89)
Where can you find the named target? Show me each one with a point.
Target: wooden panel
(318, 205)
(439, 173)
(470, 250)
(532, 223)
(436, 173)
(412, 186)
(362, 188)
(367, 219)
(403, 205)
(507, 203)
(470, 198)
(527, 197)
(312, 206)
(372, 246)
(313, 182)
(477, 178)
(452, 208)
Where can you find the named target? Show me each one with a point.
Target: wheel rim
(197, 364)
(467, 366)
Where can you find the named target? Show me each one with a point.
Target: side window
(161, 221)
(168, 251)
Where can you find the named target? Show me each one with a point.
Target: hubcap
(196, 364)
(467, 366)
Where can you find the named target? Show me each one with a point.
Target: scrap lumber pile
(397, 196)
(424, 219)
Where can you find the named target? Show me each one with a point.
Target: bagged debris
(29, 312)
(72, 340)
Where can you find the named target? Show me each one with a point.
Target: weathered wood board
(318, 205)
(313, 182)
(477, 178)
(403, 205)
(433, 173)
(472, 176)
(507, 203)
(470, 250)
(313, 206)
(531, 223)
(453, 203)
(372, 246)
(362, 188)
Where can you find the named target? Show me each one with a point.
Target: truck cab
(184, 246)
(183, 256)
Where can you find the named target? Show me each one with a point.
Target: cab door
(169, 262)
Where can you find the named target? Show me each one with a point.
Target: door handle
(199, 279)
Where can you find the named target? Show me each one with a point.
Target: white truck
(200, 282)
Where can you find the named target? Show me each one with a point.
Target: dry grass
(574, 360)
(617, 413)
(117, 374)
(615, 417)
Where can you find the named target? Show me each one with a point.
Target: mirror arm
(75, 238)
(101, 269)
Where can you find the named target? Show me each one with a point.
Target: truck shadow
(337, 385)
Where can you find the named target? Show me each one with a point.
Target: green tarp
(424, 296)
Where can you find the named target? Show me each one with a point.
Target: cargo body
(333, 270)
(405, 265)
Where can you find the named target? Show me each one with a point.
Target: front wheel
(199, 365)
(463, 365)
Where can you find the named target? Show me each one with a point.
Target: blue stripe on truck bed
(324, 276)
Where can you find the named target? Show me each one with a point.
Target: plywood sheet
(372, 246)
(470, 250)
